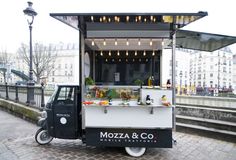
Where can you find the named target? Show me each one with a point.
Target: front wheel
(135, 151)
(42, 137)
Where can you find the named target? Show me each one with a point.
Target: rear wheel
(42, 137)
(135, 151)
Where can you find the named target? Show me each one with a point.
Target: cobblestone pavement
(17, 143)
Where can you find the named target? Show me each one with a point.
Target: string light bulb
(115, 42)
(127, 18)
(127, 53)
(139, 43)
(93, 43)
(144, 53)
(127, 42)
(150, 42)
(109, 53)
(162, 43)
(104, 42)
(118, 53)
(92, 19)
(101, 54)
(135, 53)
(153, 53)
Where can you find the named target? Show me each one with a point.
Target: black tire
(42, 137)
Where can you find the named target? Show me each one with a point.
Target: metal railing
(18, 93)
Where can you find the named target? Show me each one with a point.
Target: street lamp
(30, 12)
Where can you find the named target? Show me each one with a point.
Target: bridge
(20, 74)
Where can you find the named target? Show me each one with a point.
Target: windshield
(51, 99)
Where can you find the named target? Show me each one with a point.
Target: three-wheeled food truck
(120, 100)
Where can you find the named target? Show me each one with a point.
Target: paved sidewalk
(17, 143)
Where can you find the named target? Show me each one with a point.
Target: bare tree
(43, 58)
(4, 61)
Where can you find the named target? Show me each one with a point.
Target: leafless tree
(43, 58)
(4, 60)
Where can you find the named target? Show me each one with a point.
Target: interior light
(146, 60)
(112, 60)
(153, 53)
(151, 42)
(126, 60)
(144, 53)
(115, 18)
(139, 43)
(109, 19)
(154, 19)
(101, 54)
(109, 53)
(104, 18)
(127, 53)
(145, 19)
(133, 60)
(92, 18)
(104, 42)
(119, 60)
(127, 18)
(116, 42)
(127, 42)
(118, 19)
(151, 18)
(118, 53)
(100, 19)
(162, 43)
(136, 19)
(139, 18)
(106, 59)
(139, 59)
(135, 53)
(93, 43)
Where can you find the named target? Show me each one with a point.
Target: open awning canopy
(202, 41)
(146, 26)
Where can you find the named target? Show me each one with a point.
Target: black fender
(42, 122)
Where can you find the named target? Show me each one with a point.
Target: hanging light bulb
(118, 53)
(136, 19)
(109, 19)
(139, 43)
(133, 60)
(139, 59)
(115, 42)
(92, 19)
(119, 60)
(151, 18)
(106, 59)
(135, 53)
(127, 42)
(146, 60)
(144, 53)
(127, 53)
(101, 54)
(104, 18)
(113, 60)
(153, 53)
(100, 19)
(109, 53)
(145, 19)
(127, 18)
(93, 43)
(162, 43)
(104, 42)
(154, 19)
(139, 18)
(151, 42)
(126, 60)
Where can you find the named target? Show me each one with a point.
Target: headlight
(44, 114)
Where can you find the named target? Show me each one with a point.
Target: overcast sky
(14, 28)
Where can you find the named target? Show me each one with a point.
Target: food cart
(120, 100)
